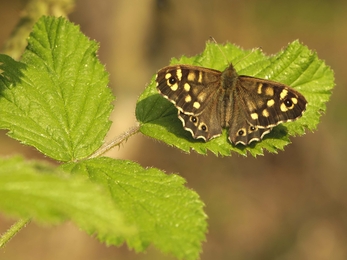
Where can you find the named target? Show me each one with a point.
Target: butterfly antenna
(214, 40)
(248, 54)
(226, 58)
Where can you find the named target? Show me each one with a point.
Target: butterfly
(209, 100)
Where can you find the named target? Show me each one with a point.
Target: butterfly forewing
(186, 87)
(269, 103)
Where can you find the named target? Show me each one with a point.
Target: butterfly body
(209, 100)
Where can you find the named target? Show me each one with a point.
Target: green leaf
(165, 212)
(295, 66)
(57, 98)
(47, 195)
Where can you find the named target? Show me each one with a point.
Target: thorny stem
(12, 231)
(120, 139)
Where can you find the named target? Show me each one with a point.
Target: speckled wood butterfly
(209, 100)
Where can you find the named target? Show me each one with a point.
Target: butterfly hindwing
(201, 126)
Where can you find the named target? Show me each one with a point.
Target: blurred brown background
(290, 205)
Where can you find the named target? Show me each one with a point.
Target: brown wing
(189, 88)
(269, 103)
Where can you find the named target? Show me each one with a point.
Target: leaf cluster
(56, 99)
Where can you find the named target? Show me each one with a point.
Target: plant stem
(12, 231)
(120, 139)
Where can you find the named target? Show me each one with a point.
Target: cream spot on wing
(186, 87)
(283, 94)
(202, 96)
(269, 91)
(168, 75)
(270, 103)
(260, 86)
(196, 105)
(195, 91)
(200, 77)
(174, 87)
(283, 108)
(191, 76)
(254, 116)
(188, 99)
(179, 74)
(265, 113)
(294, 100)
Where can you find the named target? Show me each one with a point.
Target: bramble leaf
(56, 99)
(45, 194)
(165, 213)
(295, 66)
